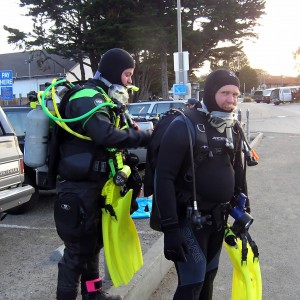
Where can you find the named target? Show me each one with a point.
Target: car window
(258, 92)
(139, 109)
(160, 108)
(154, 109)
(267, 92)
(17, 120)
(275, 93)
(286, 91)
(178, 105)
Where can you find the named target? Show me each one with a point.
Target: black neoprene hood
(113, 63)
(214, 81)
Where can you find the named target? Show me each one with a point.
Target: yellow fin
(122, 248)
(246, 277)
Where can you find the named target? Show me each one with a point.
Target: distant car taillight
(22, 166)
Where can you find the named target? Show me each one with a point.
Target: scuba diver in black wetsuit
(83, 170)
(218, 177)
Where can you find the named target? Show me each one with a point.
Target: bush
(247, 99)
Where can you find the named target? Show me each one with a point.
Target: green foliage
(248, 79)
(247, 99)
(231, 57)
(148, 29)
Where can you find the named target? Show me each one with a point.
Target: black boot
(100, 296)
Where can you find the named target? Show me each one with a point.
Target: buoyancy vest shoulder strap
(199, 123)
(195, 120)
(84, 92)
(201, 145)
(64, 101)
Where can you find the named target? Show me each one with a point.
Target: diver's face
(227, 96)
(126, 76)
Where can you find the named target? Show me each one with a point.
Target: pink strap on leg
(94, 285)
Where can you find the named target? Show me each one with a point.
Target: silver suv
(13, 192)
(258, 96)
(153, 109)
(146, 115)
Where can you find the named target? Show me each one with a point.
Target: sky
(279, 35)
(279, 38)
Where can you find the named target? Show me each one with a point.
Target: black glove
(175, 246)
(134, 206)
(135, 183)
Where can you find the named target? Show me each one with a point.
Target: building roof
(34, 64)
(270, 80)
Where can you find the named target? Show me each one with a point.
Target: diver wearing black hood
(196, 251)
(84, 169)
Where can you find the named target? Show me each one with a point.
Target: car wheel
(257, 101)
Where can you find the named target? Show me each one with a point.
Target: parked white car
(14, 193)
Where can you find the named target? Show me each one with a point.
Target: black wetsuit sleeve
(104, 133)
(100, 129)
(173, 150)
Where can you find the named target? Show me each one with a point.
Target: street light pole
(180, 78)
(182, 88)
(179, 26)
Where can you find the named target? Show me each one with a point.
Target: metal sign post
(182, 88)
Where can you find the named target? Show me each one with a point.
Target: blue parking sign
(179, 89)
(6, 84)
(7, 93)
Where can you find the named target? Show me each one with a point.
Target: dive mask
(222, 120)
(119, 93)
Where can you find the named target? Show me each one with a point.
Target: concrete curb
(148, 278)
(257, 140)
(155, 267)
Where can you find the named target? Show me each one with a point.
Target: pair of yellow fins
(122, 248)
(124, 257)
(246, 277)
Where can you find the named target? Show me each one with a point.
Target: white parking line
(52, 228)
(25, 227)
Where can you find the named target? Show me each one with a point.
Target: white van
(281, 95)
